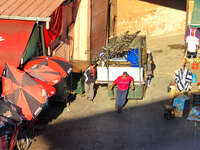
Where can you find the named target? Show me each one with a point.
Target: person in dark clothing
(149, 67)
(90, 76)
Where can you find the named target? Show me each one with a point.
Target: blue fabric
(194, 78)
(101, 55)
(148, 80)
(121, 98)
(194, 114)
(133, 57)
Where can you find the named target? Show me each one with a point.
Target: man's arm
(113, 84)
(89, 76)
(132, 85)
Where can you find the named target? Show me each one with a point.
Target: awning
(34, 44)
(14, 36)
(196, 14)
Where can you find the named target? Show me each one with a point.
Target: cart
(108, 73)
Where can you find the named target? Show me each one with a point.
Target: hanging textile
(55, 26)
(46, 37)
(183, 79)
(192, 32)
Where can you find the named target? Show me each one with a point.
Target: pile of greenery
(118, 46)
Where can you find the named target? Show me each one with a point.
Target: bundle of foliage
(118, 46)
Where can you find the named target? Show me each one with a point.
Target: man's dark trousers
(121, 98)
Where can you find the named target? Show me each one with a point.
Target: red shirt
(123, 84)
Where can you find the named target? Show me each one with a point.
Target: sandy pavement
(140, 126)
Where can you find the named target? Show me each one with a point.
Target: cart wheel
(23, 143)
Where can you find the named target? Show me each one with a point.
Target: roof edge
(37, 19)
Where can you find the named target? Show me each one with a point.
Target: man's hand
(111, 86)
(132, 85)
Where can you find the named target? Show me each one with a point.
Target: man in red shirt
(122, 83)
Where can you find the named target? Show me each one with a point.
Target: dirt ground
(141, 126)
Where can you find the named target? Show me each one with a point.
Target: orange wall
(152, 19)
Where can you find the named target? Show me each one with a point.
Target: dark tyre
(62, 92)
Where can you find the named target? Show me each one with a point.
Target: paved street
(140, 126)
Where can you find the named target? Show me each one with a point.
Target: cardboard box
(182, 104)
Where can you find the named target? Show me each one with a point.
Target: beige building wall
(190, 10)
(75, 36)
(82, 32)
(149, 16)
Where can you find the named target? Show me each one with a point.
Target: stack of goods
(120, 46)
(181, 104)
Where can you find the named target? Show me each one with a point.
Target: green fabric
(80, 86)
(32, 44)
(196, 13)
(194, 26)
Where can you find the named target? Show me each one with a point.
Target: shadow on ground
(136, 128)
(62, 99)
(53, 110)
(175, 4)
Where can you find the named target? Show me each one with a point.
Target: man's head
(94, 65)
(148, 52)
(125, 74)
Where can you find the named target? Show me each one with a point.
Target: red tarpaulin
(55, 26)
(14, 36)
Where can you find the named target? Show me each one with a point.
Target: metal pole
(106, 38)
(42, 40)
(186, 23)
(140, 64)
(90, 57)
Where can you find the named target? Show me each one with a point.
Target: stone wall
(151, 17)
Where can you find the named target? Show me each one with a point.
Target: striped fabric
(4, 142)
(183, 79)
